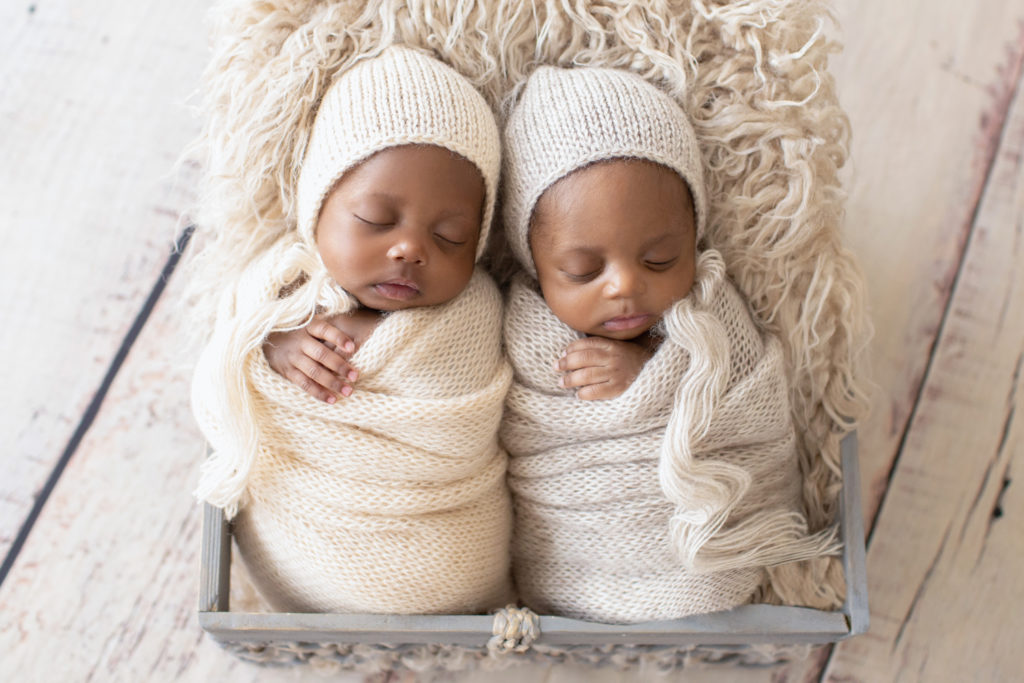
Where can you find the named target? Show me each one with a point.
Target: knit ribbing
(566, 119)
(401, 97)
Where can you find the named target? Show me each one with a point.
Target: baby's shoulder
(482, 293)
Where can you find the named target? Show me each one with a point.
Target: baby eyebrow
(580, 249)
(587, 250)
(380, 194)
(394, 202)
(452, 213)
(654, 241)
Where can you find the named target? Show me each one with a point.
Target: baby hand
(600, 368)
(314, 358)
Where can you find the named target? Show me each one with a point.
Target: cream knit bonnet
(568, 118)
(401, 97)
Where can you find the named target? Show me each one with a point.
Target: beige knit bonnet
(566, 119)
(401, 97)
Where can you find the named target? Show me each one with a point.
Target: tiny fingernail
(331, 399)
(349, 346)
(352, 375)
(347, 391)
(561, 382)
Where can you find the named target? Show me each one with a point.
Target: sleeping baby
(392, 500)
(653, 460)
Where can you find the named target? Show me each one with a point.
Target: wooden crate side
(852, 532)
(749, 624)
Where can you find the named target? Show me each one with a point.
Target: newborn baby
(653, 457)
(392, 500)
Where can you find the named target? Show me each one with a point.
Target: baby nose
(623, 282)
(408, 249)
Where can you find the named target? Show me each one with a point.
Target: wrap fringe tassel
(706, 492)
(246, 314)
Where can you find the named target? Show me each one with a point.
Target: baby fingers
(583, 377)
(321, 329)
(598, 392)
(578, 358)
(322, 355)
(317, 381)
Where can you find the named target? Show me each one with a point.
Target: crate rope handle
(514, 629)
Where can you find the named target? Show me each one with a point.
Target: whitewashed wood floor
(104, 587)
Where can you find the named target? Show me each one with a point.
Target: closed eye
(376, 224)
(456, 243)
(581, 277)
(661, 265)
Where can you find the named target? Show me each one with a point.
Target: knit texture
(393, 499)
(400, 97)
(754, 77)
(669, 499)
(397, 97)
(566, 119)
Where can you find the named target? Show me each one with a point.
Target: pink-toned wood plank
(927, 87)
(947, 554)
(92, 100)
(925, 136)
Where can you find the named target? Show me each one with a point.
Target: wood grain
(945, 560)
(106, 588)
(927, 87)
(92, 104)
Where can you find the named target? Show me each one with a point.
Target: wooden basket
(744, 626)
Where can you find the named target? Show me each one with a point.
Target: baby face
(400, 229)
(614, 246)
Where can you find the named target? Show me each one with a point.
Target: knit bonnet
(401, 97)
(566, 119)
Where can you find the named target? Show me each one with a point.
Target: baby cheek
(574, 308)
(679, 282)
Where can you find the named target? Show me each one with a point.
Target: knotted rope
(514, 629)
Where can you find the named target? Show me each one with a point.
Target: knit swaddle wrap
(669, 499)
(391, 500)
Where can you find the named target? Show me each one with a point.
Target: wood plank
(108, 581)
(93, 113)
(945, 562)
(927, 89)
(926, 86)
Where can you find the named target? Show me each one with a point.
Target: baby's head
(604, 197)
(397, 188)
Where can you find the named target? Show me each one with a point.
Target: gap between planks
(1007, 98)
(1006, 102)
(180, 244)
